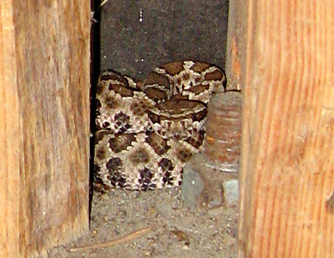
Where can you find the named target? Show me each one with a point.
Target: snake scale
(147, 131)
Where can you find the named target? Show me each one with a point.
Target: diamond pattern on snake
(147, 131)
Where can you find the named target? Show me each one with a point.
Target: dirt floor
(133, 37)
(172, 230)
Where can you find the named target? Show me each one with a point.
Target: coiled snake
(146, 132)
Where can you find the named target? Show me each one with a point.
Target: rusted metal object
(222, 146)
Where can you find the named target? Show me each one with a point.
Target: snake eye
(200, 115)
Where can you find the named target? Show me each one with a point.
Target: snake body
(147, 131)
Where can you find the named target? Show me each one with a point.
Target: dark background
(133, 37)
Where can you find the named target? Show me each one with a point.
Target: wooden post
(44, 124)
(284, 57)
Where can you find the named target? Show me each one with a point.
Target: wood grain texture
(287, 177)
(45, 82)
(9, 132)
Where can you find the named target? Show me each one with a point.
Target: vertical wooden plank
(45, 82)
(287, 175)
(9, 136)
(236, 44)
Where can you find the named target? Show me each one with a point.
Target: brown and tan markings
(146, 132)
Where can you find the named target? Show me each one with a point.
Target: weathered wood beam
(44, 124)
(283, 59)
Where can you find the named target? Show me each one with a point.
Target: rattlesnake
(146, 132)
